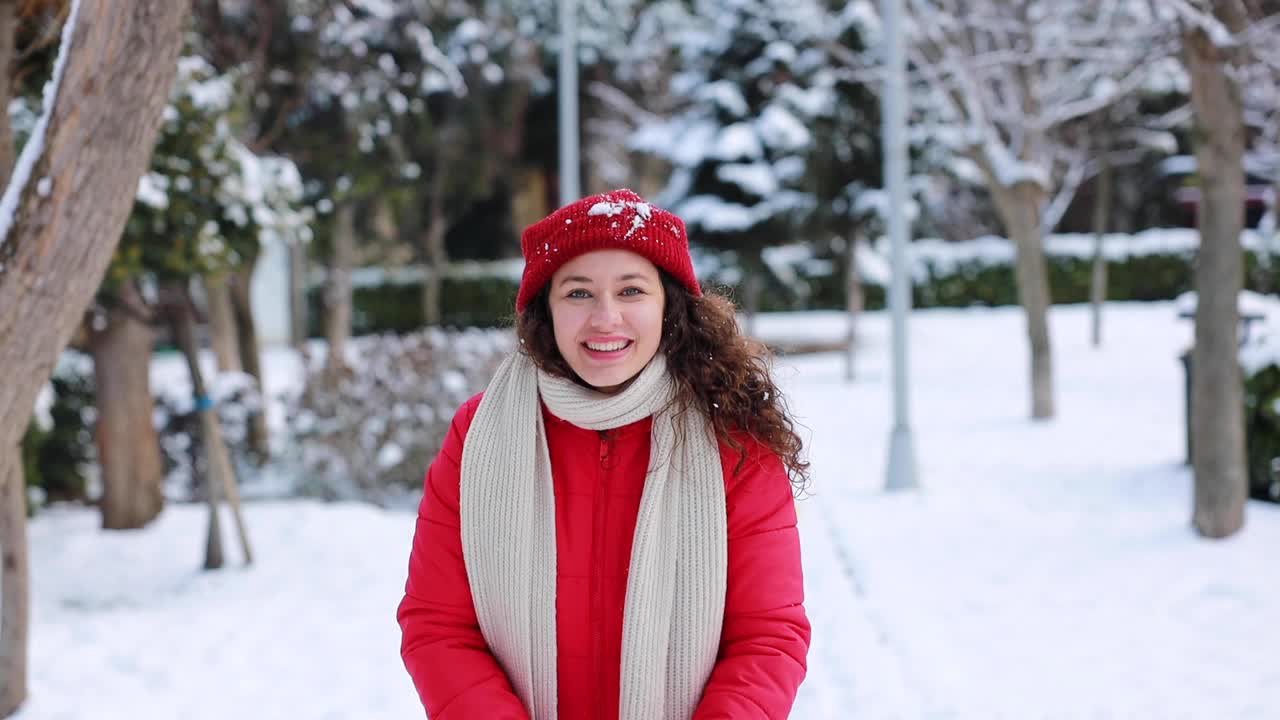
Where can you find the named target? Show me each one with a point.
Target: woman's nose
(605, 314)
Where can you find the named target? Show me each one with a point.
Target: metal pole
(570, 186)
(901, 473)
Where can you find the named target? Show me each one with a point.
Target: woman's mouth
(607, 349)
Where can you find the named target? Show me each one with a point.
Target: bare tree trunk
(1217, 393)
(437, 255)
(184, 335)
(1273, 208)
(337, 288)
(1019, 208)
(14, 574)
(298, 314)
(121, 60)
(854, 301)
(250, 354)
(219, 471)
(382, 220)
(8, 35)
(222, 324)
(1098, 277)
(14, 579)
(437, 265)
(14, 585)
(529, 197)
(751, 289)
(128, 447)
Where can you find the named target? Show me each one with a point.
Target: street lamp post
(570, 186)
(901, 472)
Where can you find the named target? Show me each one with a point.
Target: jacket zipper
(597, 543)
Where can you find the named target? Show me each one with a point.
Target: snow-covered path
(1046, 570)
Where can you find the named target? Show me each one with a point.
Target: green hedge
(484, 301)
(1145, 278)
(1138, 277)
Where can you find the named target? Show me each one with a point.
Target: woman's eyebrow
(621, 278)
(634, 276)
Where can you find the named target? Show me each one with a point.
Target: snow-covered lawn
(1044, 571)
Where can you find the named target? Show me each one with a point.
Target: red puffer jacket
(598, 479)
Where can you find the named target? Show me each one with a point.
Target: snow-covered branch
(34, 148)
(1199, 14)
(1061, 113)
(621, 102)
(1078, 170)
(1017, 79)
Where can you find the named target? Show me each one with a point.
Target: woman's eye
(632, 291)
(578, 294)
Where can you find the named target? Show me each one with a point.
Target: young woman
(609, 530)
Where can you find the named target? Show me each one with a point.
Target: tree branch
(1077, 172)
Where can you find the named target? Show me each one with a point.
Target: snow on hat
(616, 220)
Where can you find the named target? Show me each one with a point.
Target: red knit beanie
(617, 220)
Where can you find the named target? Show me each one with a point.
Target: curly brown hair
(717, 370)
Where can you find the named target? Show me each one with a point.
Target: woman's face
(606, 308)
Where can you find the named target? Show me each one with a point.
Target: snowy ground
(1044, 571)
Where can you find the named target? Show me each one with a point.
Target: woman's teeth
(608, 347)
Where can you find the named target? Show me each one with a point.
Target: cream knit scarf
(676, 586)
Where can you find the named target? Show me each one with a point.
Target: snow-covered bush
(1260, 361)
(1262, 431)
(371, 432)
(59, 451)
(205, 187)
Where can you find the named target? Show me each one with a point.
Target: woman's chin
(608, 383)
(606, 380)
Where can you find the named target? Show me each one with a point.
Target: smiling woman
(609, 529)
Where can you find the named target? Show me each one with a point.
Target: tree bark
(337, 290)
(121, 60)
(14, 575)
(298, 314)
(184, 336)
(436, 265)
(1273, 208)
(437, 255)
(1019, 208)
(1217, 393)
(128, 446)
(1098, 276)
(8, 39)
(14, 579)
(854, 301)
(219, 472)
(222, 324)
(752, 286)
(250, 354)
